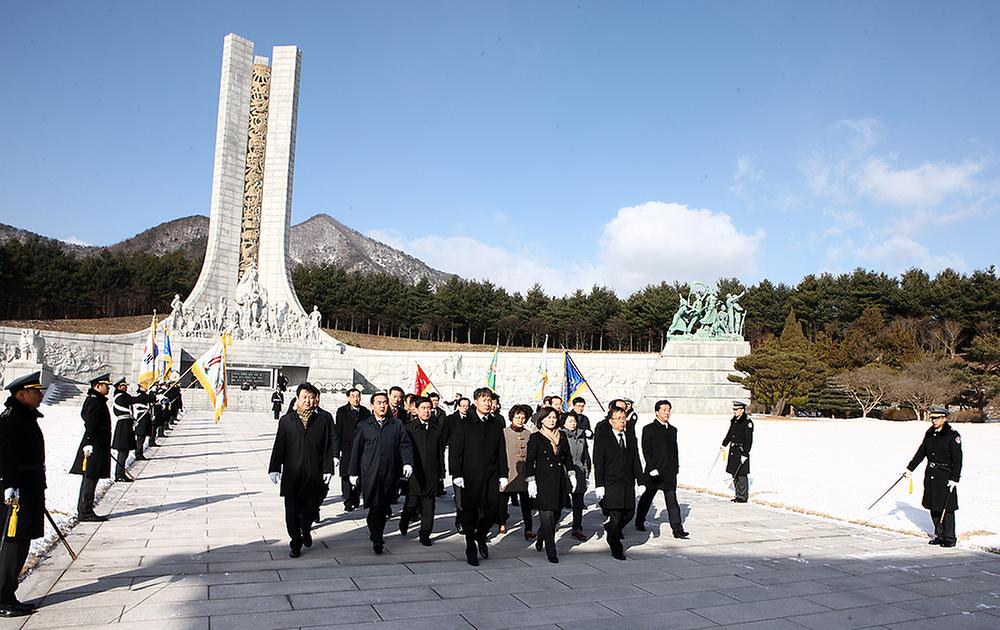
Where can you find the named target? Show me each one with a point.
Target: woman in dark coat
(95, 447)
(302, 461)
(549, 484)
(580, 470)
(942, 446)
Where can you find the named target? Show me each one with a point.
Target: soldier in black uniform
(142, 410)
(739, 439)
(942, 446)
(123, 439)
(93, 457)
(277, 402)
(22, 476)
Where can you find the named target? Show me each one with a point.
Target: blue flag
(575, 383)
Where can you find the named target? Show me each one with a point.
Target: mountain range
(318, 240)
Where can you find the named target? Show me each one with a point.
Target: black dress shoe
(554, 559)
(92, 518)
(681, 534)
(426, 542)
(404, 526)
(378, 548)
(350, 508)
(935, 541)
(307, 539)
(484, 551)
(140, 458)
(538, 545)
(641, 527)
(472, 558)
(948, 543)
(12, 610)
(295, 552)
(618, 555)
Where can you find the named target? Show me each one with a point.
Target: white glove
(88, 450)
(532, 488)
(458, 482)
(572, 483)
(10, 494)
(588, 434)
(952, 484)
(336, 462)
(654, 473)
(327, 477)
(744, 458)
(275, 477)
(907, 473)
(599, 491)
(641, 488)
(407, 471)
(353, 479)
(503, 483)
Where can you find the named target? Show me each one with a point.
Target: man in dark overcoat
(739, 439)
(428, 471)
(22, 478)
(348, 417)
(617, 470)
(93, 457)
(478, 463)
(659, 449)
(382, 454)
(942, 447)
(305, 446)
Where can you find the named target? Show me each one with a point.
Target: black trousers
(299, 515)
(476, 524)
(421, 507)
(377, 517)
(578, 507)
(459, 523)
(120, 464)
(85, 502)
(742, 485)
(547, 520)
(617, 519)
(946, 530)
(12, 558)
(351, 494)
(524, 502)
(673, 510)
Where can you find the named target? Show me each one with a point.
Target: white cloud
(659, 241)
(925, 186)
(641, 245)
(72, 240)
(747, 176)
(862, 133)
(894, 255)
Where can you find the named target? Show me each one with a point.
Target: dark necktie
(621, 440)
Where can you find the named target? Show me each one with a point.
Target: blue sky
(568, 143)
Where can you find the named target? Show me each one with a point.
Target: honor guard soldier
(22, 476)
(123, 439)
(942, 447)
(93, 457)
(739, 439)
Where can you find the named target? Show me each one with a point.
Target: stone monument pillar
(251, 184)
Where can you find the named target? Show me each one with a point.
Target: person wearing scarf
(549, 484)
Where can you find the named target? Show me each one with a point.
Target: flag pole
(587, 382)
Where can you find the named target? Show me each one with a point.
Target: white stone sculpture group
(248, 316)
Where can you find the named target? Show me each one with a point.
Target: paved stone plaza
(199, 542)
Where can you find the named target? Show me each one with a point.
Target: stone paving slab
(198, 543)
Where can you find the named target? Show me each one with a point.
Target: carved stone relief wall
(253, 183)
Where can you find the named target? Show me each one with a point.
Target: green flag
(491, 373)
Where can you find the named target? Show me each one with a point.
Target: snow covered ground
(837, 468)
(832, 468)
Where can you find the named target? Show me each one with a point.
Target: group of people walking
(402, 447)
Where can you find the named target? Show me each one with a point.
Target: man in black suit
(616, 471)
(478, 461)
(348, 417)
(659, 448)
(381, 455)
(428, 471)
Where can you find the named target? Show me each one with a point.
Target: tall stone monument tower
(251, 185)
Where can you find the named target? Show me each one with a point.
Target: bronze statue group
(539, 460)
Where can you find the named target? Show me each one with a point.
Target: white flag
(210, 370)
(543, 370)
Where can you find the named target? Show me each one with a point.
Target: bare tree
(869, 385)
(946, 334)
(927, 382)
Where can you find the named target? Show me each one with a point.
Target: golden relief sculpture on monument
(253, 180)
